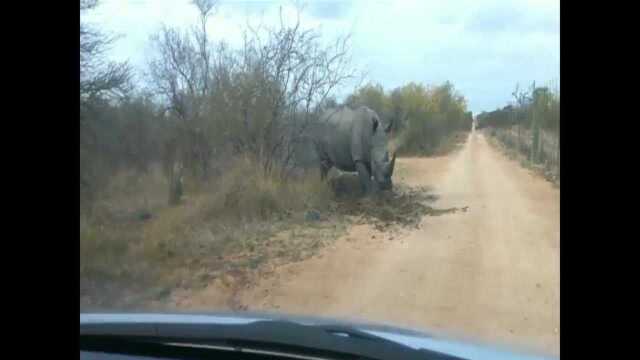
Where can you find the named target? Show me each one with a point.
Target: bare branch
(88, 4)
(99, 77)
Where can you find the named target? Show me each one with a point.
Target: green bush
(423, 117)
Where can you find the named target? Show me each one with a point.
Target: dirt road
(490, 273)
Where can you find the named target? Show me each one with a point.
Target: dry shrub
(236, 212)
(236, 223)
(100, 249)
(130, 193)
(115, 221)
(244, 193)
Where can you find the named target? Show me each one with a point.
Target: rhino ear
(375, 124)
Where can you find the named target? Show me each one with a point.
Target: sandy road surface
(490, 273)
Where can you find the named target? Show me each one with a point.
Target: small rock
(228, 280)
(538, 285)
(163, 292)
(555, 330)
(312, 215)
(143, 215)
(204, 276)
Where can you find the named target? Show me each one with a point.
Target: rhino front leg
(324, 169)
(365, 177)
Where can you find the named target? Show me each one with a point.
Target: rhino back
(343, 140)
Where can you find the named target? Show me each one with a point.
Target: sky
(484, 47)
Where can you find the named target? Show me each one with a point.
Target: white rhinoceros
(355, 140)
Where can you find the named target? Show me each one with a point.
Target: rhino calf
(356, 140)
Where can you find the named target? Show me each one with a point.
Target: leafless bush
(180, 74)
(100, 80)
(98, 76)
(259, 99)
(280, 80)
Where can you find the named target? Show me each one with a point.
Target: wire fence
(541, 152)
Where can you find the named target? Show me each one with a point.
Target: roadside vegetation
(199, 164)
(427, 120)
(528, 129)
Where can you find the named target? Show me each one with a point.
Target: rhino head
(381, 166)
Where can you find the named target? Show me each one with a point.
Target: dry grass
(549, 173)
(236, 214)
(241, 223)
(114, 222)
(133, 239)
(129, 194)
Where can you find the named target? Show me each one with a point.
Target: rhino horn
(389, 126)
(391, 165)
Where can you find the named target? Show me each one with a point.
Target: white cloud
(483, 47)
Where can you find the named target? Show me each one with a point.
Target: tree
(280, 82)
(258, 100)
(180, 74)
(100, 81)
(99, 77)
(422, 116)
(373, 96)
(538, 110)
(522, 98)
(205, 8)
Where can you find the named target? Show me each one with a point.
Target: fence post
(541, 149)
(558, 155)
(519, 141)
(533, 137)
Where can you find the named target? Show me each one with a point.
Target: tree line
(530, 124)
(422, 116)
(531, 108)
